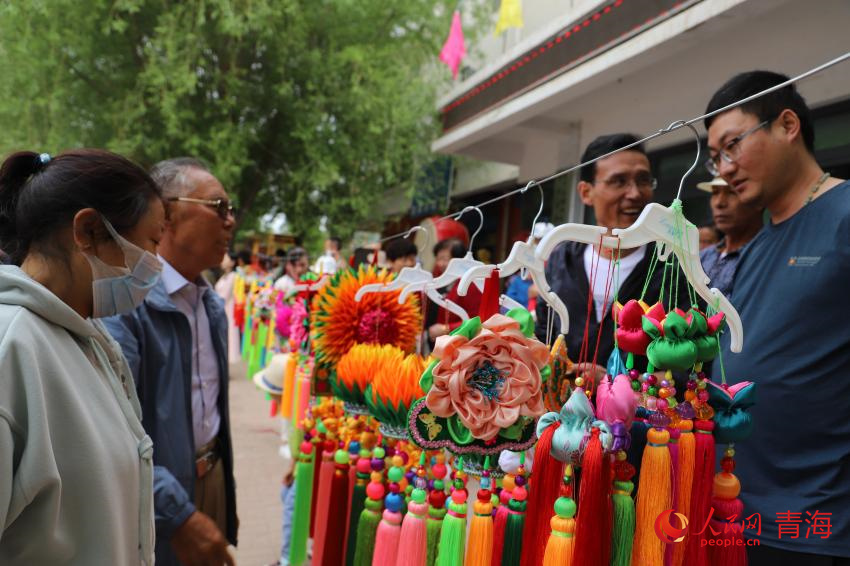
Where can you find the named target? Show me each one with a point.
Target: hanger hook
(480, 226)
(539, 210)
(679, 123)
(420, 229)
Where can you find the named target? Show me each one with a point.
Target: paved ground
(258, 470)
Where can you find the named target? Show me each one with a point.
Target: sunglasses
(222, 206)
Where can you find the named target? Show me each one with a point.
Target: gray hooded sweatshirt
(76, 469)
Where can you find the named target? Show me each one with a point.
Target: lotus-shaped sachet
(732, 421)
(671, 347)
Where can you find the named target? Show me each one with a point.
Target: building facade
(528, 101)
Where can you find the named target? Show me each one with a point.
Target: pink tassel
(414, 533)
(386, 541)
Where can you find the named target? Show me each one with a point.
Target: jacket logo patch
(803, 261)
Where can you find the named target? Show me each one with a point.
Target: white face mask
(119, 290)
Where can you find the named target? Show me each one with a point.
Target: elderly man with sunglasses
(176, 345)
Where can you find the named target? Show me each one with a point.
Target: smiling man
(790, 290)
(176, 345)
(617, 188)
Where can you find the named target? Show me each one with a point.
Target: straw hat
(716, 182)
(270, 378)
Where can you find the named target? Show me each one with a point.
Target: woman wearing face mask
(75, 462)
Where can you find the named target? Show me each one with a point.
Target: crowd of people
(115, 442)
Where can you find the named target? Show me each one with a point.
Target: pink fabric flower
(489, 381)
(297, 328)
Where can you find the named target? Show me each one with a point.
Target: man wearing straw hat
(739, 222)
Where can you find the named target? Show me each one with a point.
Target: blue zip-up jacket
(156, 340)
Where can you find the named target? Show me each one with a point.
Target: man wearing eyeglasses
(176, 345)
(790, 289)
(616, 188)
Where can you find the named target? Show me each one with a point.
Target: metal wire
(678, 125)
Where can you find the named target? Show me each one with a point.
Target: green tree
(308, 107)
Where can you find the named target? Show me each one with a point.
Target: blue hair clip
(44, 158)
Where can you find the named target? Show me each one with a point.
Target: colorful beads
(565, 507)
(396, 474)
(375, 490)
(726, 485)
(519, 494)
(459, 496)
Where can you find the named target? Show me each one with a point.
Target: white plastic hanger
(671, 231)
(312, 286)
(455, 269)
(521, 257)
(413, 276)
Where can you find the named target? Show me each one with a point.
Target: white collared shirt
(187, 297)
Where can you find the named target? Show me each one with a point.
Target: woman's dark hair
(39, 195)
(457, 248)
(399, 248)
(294, 254)
(603, 145)
(767, 107)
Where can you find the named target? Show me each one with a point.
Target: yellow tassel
(559, 548)
(684, 482)
(654, 496)
(479, 549)
(286, 407)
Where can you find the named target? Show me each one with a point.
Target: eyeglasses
(221, 206)
(641, 182)
(731, 151)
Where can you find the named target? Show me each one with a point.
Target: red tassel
(501, 520)
(729, 550)
(490, 297)
(323, 510)
(544, 490)
(697, 554)
(334, 553)
(593, 525)
(318, 460)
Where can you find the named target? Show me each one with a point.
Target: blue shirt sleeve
(172, 506)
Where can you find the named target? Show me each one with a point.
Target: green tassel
(367, 530)
(255, 365)
(358, 503)
(624, 523)
(434, 527)
(301, 513)
(512, 550)
(452, 536)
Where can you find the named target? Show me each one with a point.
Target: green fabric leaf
(526, 322)
(427, 379)
(675, 325)
(470, 328)
(546, 373)
(649, 327)
(699, 326)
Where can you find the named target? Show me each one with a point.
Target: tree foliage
(308, 107)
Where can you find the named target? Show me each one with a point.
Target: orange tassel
(684, 482)
(654, 496)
